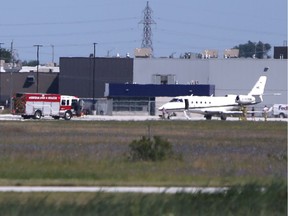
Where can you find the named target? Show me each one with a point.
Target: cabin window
(176, 100)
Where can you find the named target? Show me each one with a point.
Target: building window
(30, 79)
(163, 79)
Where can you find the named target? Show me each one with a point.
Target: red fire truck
(37, 105)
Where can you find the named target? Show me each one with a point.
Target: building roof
(43, 69)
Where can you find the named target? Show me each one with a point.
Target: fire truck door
(46, 108)
(55, 107)
(29, 108)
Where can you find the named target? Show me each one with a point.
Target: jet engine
(245, 99)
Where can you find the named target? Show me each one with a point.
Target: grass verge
(213, 153)
(239, 200)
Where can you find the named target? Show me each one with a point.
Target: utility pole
(93, 79)
(11, 72)
(12, 55)
(147, 31)
(37, 81)
(52, 54)
(0, 71)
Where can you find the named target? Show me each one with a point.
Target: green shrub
(147, 149)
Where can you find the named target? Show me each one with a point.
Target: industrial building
(234, 75)
(113, 79)
(77, 75)
(12, 82)
(231, 75)
(145, 98)
(220, 76)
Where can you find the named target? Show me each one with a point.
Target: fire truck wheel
(37, 114)
(67, 115)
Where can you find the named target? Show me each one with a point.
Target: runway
(145, 190)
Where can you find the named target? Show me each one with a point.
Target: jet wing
(236, 112)
(221, 112)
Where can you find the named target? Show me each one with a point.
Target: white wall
(230, 76)
(185, 70)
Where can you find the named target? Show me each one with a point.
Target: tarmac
(194, 117)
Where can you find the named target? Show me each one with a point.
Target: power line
(109, 31)
(218, 27)
(68, 22)
(186, 34)
(81, 44)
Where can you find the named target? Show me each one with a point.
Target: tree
(6, 55)
(30, 63)
(253, 50)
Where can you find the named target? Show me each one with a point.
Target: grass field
(208, 153)
(243, 155)
(250, 201)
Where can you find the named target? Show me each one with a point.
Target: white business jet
(229, 105)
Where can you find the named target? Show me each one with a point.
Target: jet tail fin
(259, 87)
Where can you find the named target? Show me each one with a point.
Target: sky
(70, 27)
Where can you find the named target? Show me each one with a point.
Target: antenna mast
(147, 31)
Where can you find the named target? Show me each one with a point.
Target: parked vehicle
(37, 105)
(280, 110)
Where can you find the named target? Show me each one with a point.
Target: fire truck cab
(37, 105)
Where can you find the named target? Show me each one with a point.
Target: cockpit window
(176, 100)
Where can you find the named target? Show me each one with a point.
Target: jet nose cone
(161, 108)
